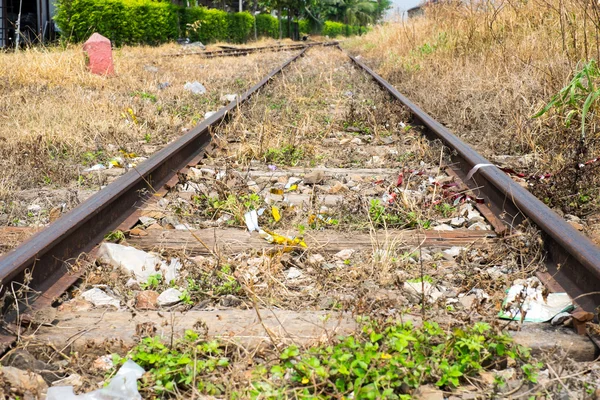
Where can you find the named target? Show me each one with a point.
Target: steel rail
(574, 261)
(46, 254)
(234, 52)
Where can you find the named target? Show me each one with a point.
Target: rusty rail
(46, 254)
(574, 261)
(242, 51)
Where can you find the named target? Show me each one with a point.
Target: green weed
(382, 362)
(190, 362)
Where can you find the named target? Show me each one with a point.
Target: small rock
(443, 227)
(146, 300)
(478, 226)
(495, 272)
(229, 97)
(578, 226)
(74, 380)
(457, 222)
(475, 219)
(344, 254)
(150, 68)
(428, 392)
(315, 259)
(199, 45)
(230, 301)
(313, 178)
(75, 305)
(147, 221)
(29, 383)
(99, 298)
(103, 363)
(195, 87)
(163, 85)
(293, 273)
(169, 297)
(452, 252)
(337, 188)
(356, 141)
(467, 301)
(34, 208)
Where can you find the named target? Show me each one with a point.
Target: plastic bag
(123, 386)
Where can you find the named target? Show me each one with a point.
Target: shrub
(122, 21)
(267, 26)
(240, 26)
(333, 29)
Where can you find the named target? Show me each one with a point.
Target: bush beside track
(150, 22)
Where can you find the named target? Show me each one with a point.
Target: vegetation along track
(357, 203)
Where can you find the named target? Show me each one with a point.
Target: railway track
(242, 51)
(315, 192)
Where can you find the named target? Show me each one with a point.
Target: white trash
(99, 298)
(142, 264)
(123, 386)
(526, 295)
(195, 87)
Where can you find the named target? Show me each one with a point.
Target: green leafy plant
(190, 362)
(152, 282)
(115, 236)
(387, 362)
(287, 155)
(578, 98)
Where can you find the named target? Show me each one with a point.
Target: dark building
(36, 21)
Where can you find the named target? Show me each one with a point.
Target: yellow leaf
(276, 213)
(305, 380)
(293, 187)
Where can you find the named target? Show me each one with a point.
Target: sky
(403, 5)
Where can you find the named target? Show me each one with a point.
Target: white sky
(402, 5)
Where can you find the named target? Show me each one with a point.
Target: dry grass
(54, 112)
(483, 69)
(57, 119)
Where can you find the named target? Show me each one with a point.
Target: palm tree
(358, 11)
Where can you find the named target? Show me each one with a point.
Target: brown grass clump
(483, 69)
(58, 119)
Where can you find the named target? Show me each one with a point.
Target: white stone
(316, 259)
(293, 273)
(443, 227)
(344, 254)
(130, 259)
(99, 298)
(229, 97)
(457, 222)
(195, 87)
(169, 297)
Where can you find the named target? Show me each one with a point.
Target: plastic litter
(276, 238)
(292, 183)
(139, 262)
(251, 219)
(276, 213)
(97, 167)
(195, 87)
(123, 386)
(526, 295)
(99, 297)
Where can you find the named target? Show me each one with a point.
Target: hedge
(122, 21)
(153, 22)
